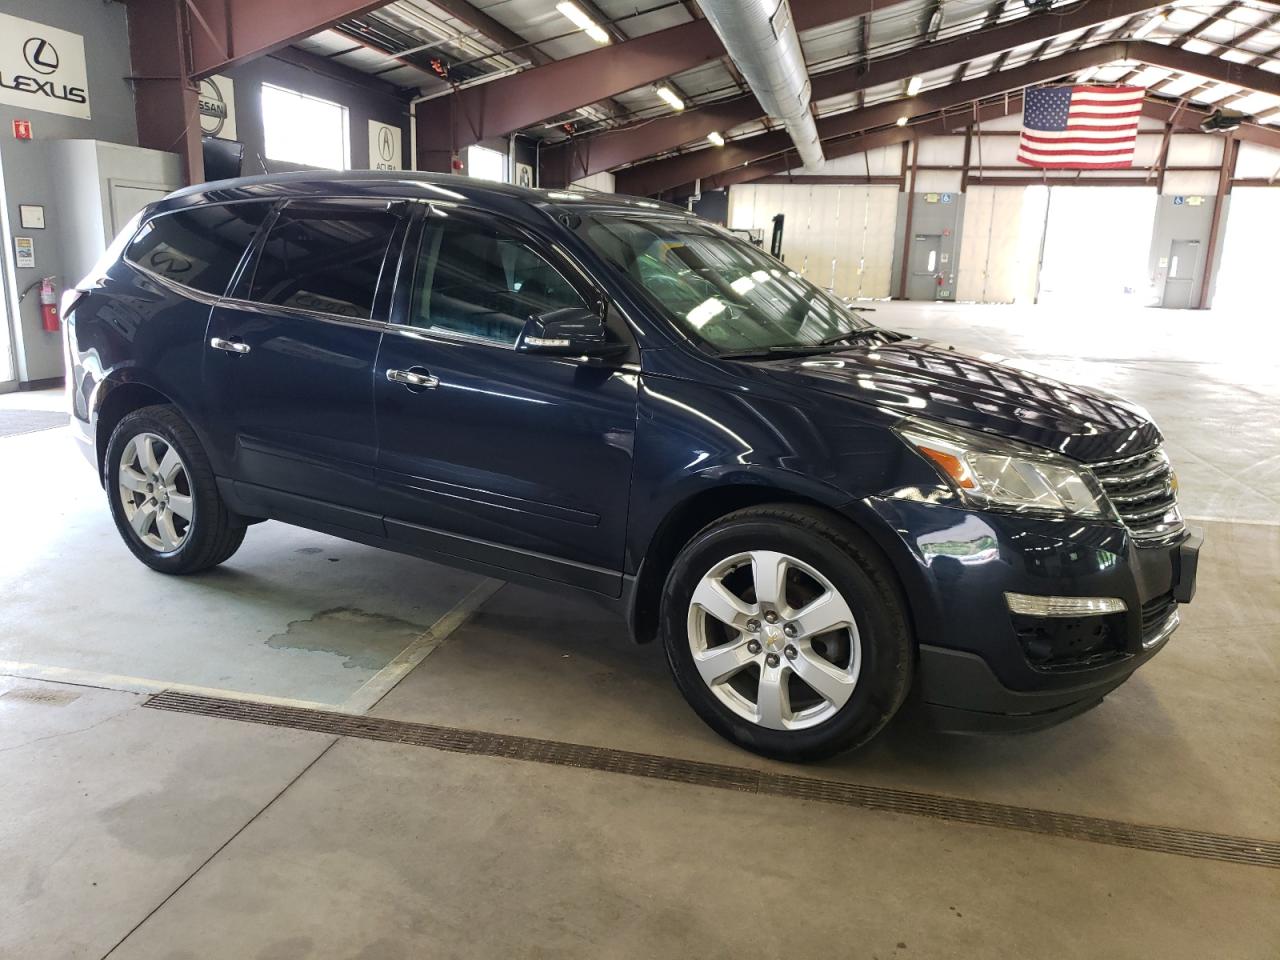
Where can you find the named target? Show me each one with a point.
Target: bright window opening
(306, 130)
(486, 164)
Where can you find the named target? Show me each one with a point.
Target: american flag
(1081, 127)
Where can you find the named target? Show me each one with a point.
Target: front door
(521, 461)
(925, 266)
(289, 359)
(1183, 269)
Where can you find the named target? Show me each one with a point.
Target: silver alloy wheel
(760, 655)
(155, 492)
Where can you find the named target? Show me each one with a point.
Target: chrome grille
(1143, 491)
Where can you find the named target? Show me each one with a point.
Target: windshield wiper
(775, 352)
(860, 333)
(829, 345)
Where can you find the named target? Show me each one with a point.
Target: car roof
(394, 184)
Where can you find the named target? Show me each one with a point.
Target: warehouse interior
(322, 749)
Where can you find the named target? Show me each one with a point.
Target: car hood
(980, 391)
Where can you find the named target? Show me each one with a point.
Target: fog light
(1033, 606)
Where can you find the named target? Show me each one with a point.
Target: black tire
(851, 563)
(213, 533)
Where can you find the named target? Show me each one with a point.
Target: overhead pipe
(760, 36)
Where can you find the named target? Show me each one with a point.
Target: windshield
(717, 288)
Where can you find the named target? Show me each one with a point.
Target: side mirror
(570, 332)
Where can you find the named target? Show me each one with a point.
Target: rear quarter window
(198, 248)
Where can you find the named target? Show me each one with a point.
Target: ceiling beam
(1185, 119)
(477, 19)
(456, 120)
(941, 125)
(583, 156)
(222, 33)
(1248, 34)
(448, 123)
(660, 175)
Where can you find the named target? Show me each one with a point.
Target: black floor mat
(14, 422)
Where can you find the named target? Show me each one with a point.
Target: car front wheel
(786, 632)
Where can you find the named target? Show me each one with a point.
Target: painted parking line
(381, 683)
(128, 684)
(369, 693)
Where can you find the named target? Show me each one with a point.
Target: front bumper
(977, 670)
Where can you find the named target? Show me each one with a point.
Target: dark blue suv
(817, 516)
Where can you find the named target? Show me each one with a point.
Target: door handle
(231, 346)
(412, 378)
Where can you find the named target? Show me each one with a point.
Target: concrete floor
(137, 833)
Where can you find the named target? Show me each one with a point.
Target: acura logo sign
(41, 55)
(386, 146)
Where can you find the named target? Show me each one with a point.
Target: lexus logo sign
(41, 55)
(42, 68)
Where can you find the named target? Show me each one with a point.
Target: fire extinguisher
(49, 305)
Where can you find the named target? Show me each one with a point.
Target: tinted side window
(324, 256)
(477, 280)
(198, 248)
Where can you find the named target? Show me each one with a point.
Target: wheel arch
(116, 403)
(695, 512)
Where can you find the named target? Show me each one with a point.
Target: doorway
(925, 265)
(1183, 273)
(1096, 245)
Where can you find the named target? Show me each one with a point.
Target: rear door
(512, 459)
(289, 359)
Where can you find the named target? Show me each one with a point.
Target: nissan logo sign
(213, 108)
(41, 55)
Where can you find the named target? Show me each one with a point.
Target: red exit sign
(22, 129)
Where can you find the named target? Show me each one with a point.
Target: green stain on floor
(365, 641)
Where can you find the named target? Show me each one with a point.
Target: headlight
(990, 472)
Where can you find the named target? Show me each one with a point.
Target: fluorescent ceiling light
(573, 12)
(1151, 26)
(669, 95)
(914, 85)
(704, 311)
(716, 138)
(902, 121)
(1086, 75)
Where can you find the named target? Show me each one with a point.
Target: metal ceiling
(399, 42)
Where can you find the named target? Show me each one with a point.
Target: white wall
(596, 183)
(838, 236)
(841, 236)
(27, 178)
(1000, 246)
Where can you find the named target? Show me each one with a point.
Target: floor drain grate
(1118, 833)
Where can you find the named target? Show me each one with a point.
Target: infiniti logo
(41, 55)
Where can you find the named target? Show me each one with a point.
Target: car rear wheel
(163, 497)
(786, 632)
